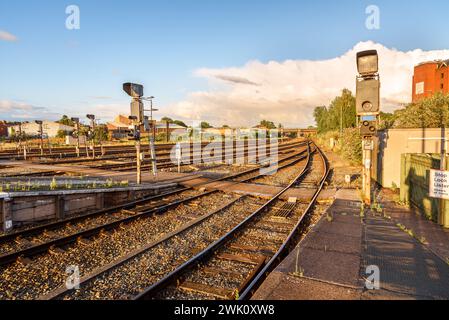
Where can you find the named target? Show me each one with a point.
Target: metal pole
(139, 172)
(24, 143)
(78, 139)
(443, 167)
(41, 133)
(92, 123)
(86, 146)
(100, 140)
(20, 136)
(367, 163)
(167, 127)
(152, 136)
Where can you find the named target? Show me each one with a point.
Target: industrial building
(429, 78)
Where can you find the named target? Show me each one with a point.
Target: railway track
(125, 162)
(234, 265)
(49, 239)
(147, 265)
(21, 243)
(62, 154)
(132, 276)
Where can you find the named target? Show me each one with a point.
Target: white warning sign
(439, 184)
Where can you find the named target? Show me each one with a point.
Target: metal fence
(415, 171)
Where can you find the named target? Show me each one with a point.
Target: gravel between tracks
(46, 272)
(85, 224)
(152, 265)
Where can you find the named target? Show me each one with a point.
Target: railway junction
(82, 228)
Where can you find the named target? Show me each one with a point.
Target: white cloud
(14, 110)
(288, 91)
(6, 36)
(105, 112)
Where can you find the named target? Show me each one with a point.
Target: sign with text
(439, 184)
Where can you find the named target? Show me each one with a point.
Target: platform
(147, 177)
(330, 262)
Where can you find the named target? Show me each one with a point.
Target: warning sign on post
(439, 184)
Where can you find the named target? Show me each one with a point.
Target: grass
(20, 186)
(412, 234)
(299, 271)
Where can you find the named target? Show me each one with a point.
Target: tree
(61, 134)
(205, 125)
(341, 113)
(431, 112)
(66, 121)
(225, 126)
(386, 120)
(100, 133)
(167, 119)
(180, 123)
(321, 118)
(267, 124)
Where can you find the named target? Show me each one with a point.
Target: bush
(348, 144)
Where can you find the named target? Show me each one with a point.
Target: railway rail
(234, 265)
(111, 217)
(155, 261)
(62, 154)
(52, 238)
(151, 262)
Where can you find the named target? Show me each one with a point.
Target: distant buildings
(429, 78)
(50, 128)
(121, 126)
(4, 128)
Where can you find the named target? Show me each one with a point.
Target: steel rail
(271, 264)
(149, 292)
(43, 247)
(59, 292)
(68, 152)
(130, 154)
(128, 205)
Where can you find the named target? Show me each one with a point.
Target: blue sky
(162, 43)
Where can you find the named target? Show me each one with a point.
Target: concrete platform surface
(331, 261)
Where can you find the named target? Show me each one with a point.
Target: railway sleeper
(241, 257)
(269, 229)
(219, 271)
(194, 287)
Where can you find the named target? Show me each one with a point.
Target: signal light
(134, 135)
(368, 128)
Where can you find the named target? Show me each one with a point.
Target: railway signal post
(368, 109)
(91, 117)
(135, 91)
(77, 130)
(152, 134)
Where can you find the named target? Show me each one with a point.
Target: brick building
(429, 78)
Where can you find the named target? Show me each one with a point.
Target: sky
(232, 62)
